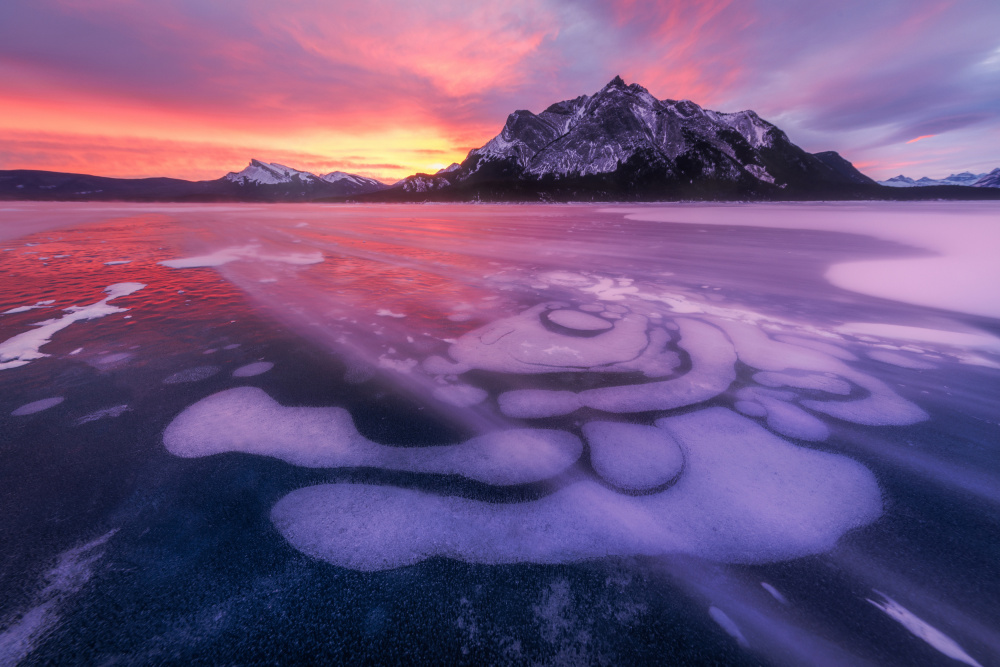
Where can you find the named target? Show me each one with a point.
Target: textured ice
(247, 252)
(250, 370)
(26, 347)
(633, 457)
(196, 374)
(922, 629)
(745, 496)
(246, 419)
(37, 406)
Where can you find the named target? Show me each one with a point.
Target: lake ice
(451, 429)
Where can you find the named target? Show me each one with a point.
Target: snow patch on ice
(250, 370)
(922, 629)
(196, 374)
(37, 406)
(26, 347)
(24, 309)
(246, 419)
(116, 411)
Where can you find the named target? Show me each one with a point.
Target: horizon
(181, 90)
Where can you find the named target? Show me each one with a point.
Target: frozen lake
(740, 434)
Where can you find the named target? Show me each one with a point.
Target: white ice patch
(118, 262)
(728, 625)
(385, 312)
(116, 411)
(775, 593)
(633, 457)
(901, 360)
(25, 347)
(246, 419)
(922, 629)
(196, 374)
(253, 369)
(745, 496)
(248, 252)
(966, 339)
(825, 383)
(24, 309)
(37, 406)
(460, 395)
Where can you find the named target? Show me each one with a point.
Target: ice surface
(632, 457)
(960, 278)
(922, 629)
(745, 496)
(901, 360)
(460, 395)
(775, 593)
(825, 383)
(247, 252)
(26, 347)
(37, 406)
(246, 419)
(250, 370)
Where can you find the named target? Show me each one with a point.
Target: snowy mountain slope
(265, 173)
(990, 180)
(965, 178)
(333, 184)
(624, 140)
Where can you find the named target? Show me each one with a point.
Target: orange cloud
(922, 136)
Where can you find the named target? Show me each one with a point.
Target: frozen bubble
(196, 374)
(461, 395)
(246, 419)
(746, 496)
(250, 370)
(632, 457)
(825, 383)
(37, 406)
(901, 360)
(922, 629)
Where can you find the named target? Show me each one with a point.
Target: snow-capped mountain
(623, 142)
(269, 173)
(965, 178)
(333, 184)
(990, 180)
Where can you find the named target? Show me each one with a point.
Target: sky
(385, 88)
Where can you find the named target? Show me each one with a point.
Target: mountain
(622, 143)
(965, 178)
(990, 180)
(259, 181)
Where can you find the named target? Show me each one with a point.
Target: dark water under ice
(511, 434)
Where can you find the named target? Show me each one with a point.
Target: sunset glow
(387, 89)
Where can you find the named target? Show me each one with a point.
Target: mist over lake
(559, 434)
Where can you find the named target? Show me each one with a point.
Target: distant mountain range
(990, 180)
(620, 144)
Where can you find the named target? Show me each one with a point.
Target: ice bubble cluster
(26, 347)
(745, 496)
(246, 419)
